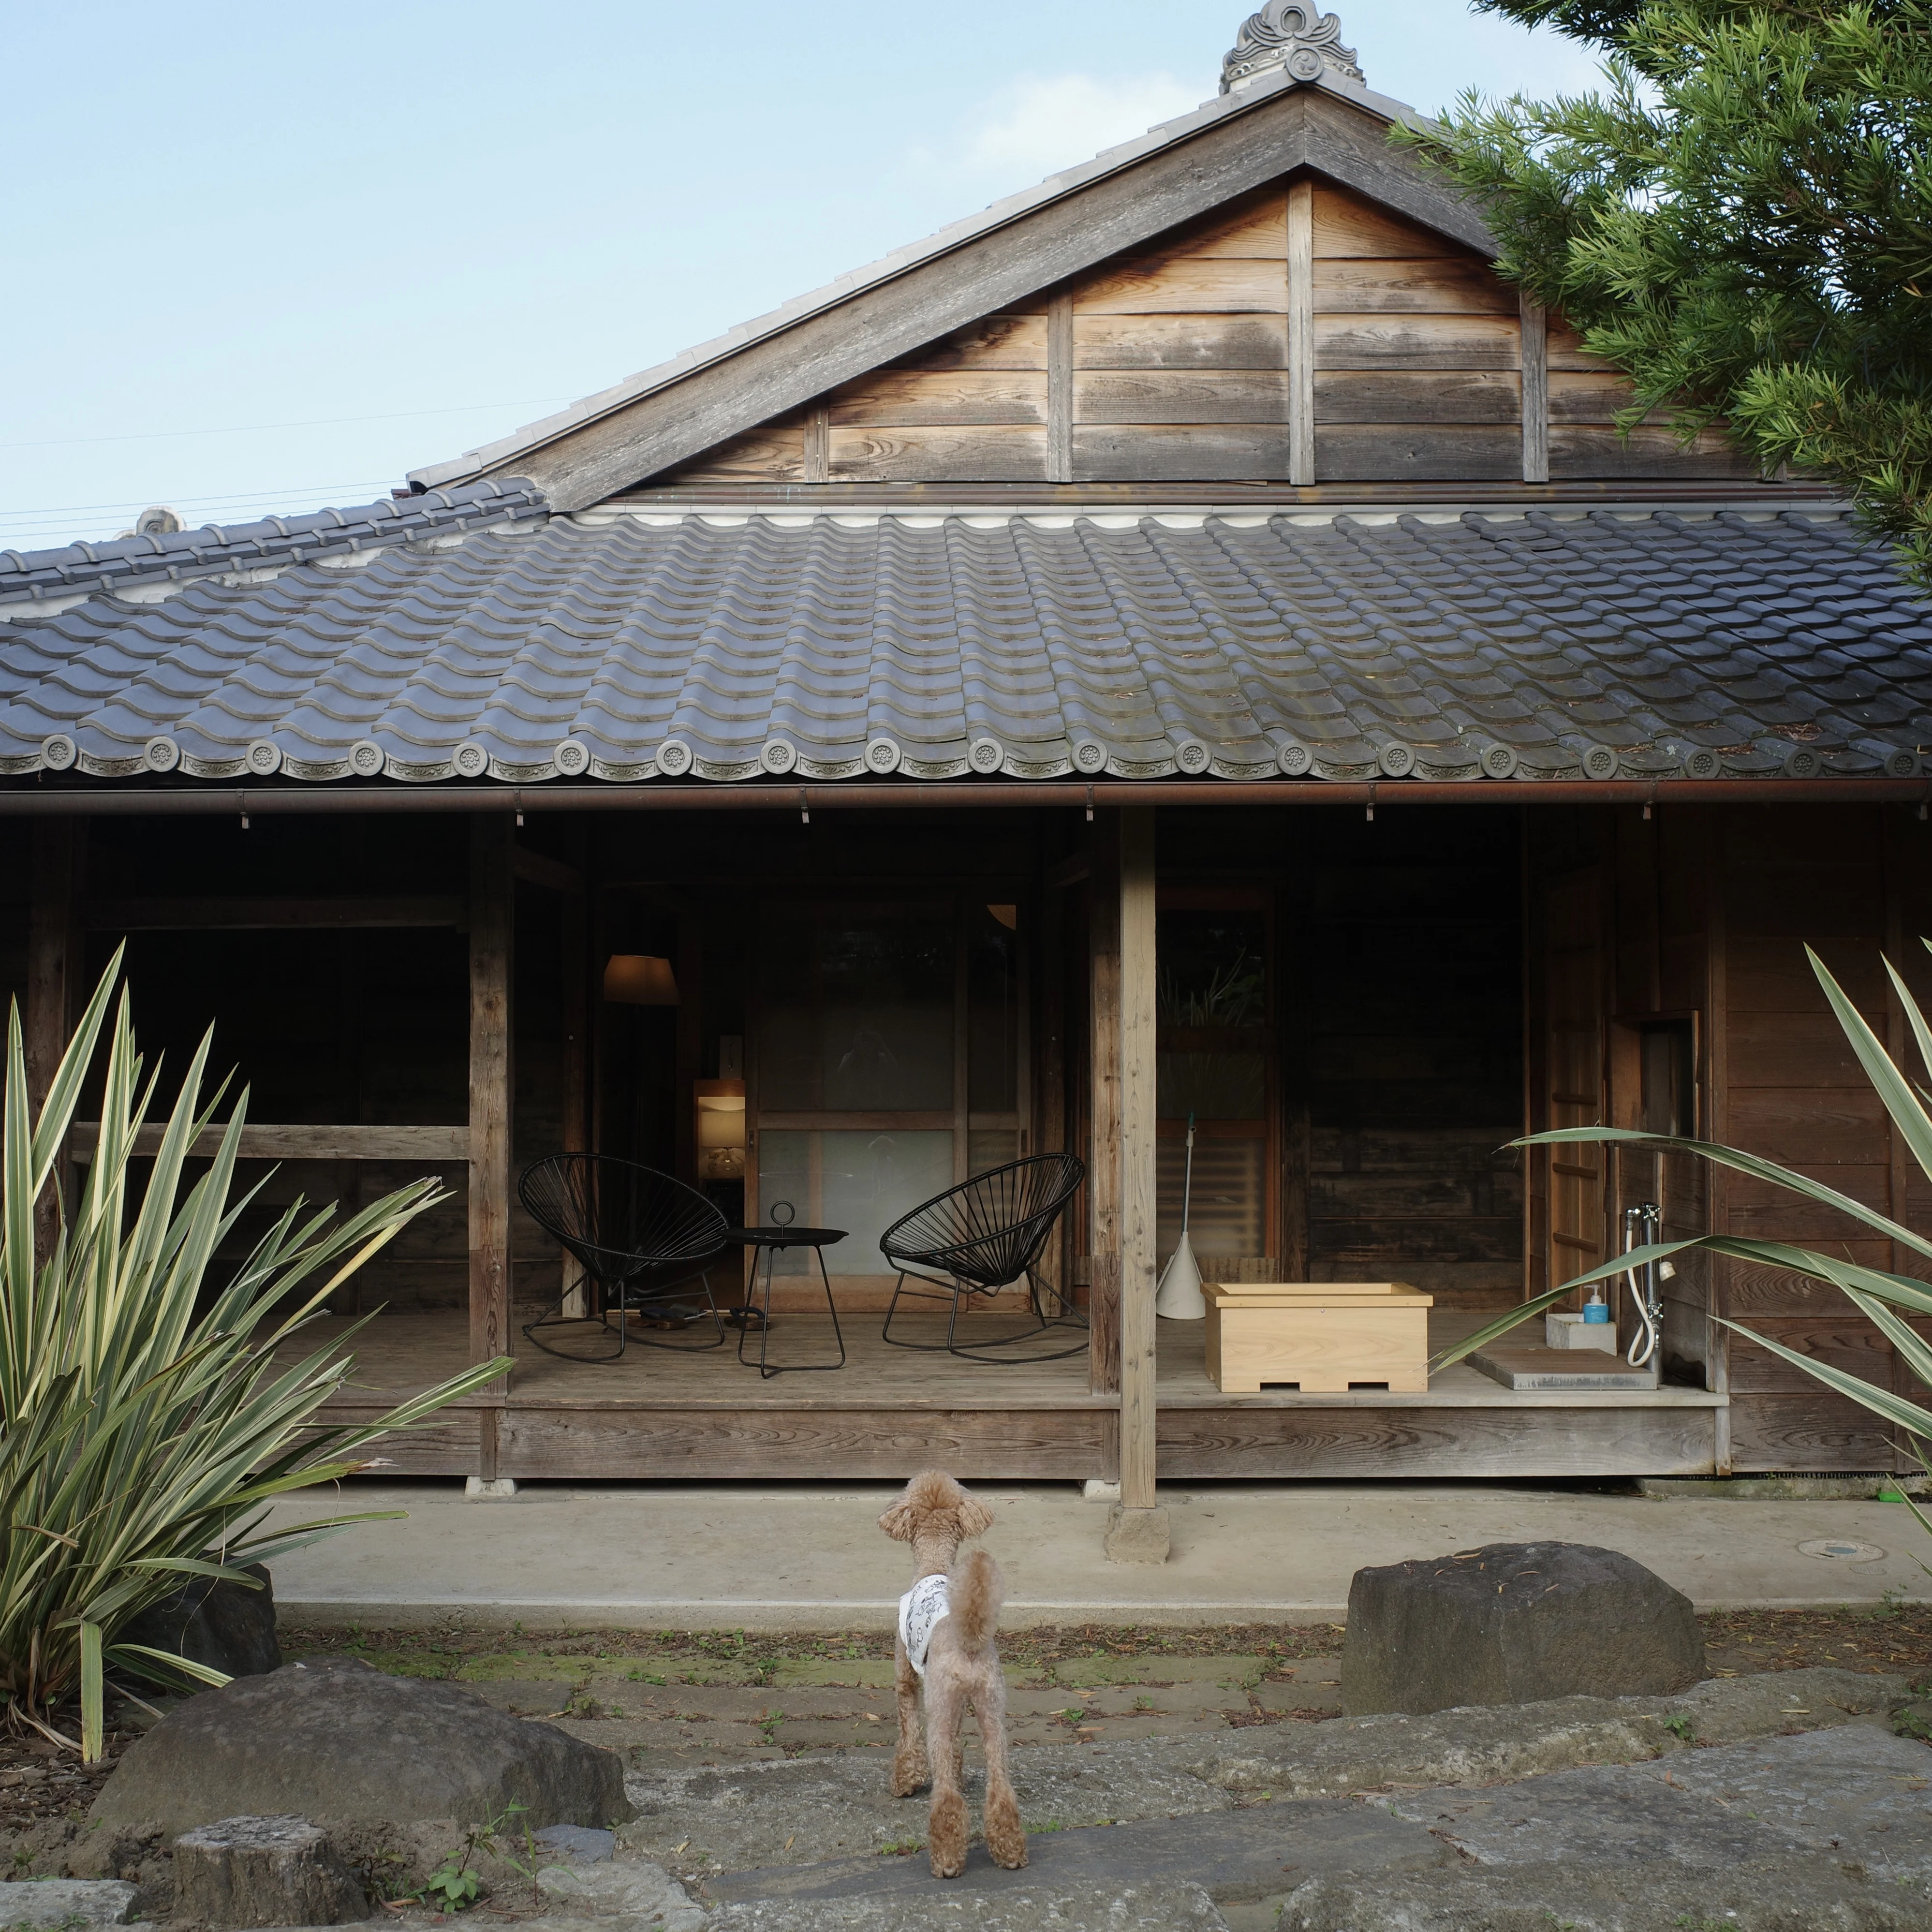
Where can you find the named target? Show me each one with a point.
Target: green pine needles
(1741, 219)
(144, 1426)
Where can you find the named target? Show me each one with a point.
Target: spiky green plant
(1884, 1299)
(141, 1442)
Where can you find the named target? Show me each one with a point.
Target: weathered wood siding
(1705, 914)
(1179, 362)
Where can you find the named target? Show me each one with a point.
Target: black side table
(769, 1241)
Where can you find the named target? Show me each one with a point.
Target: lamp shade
(640, 979)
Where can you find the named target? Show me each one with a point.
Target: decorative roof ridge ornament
(1286, 34)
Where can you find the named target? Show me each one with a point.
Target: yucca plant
(1884, 1299)
(141, 1441)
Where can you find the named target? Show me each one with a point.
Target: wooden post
(1050, 1107)
(55, 965)
(689, 1051)
(1535, 360)
(1103, 1060)
(574, 942)
(1301, 330)
(491, 1088)
(1137, 1531)
(1060, 389)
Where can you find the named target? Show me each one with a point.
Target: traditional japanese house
(1187, 641)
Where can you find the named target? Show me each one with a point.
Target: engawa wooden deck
(890, 1412)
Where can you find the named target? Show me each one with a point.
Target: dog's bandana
(920, 1610)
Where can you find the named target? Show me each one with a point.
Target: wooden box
(1325, 1336)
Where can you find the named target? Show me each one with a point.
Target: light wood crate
(1326, 1336)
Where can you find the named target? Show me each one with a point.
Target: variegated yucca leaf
(141, 1441)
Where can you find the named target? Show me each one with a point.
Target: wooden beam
(1137, 1186)
(260, 915)
(538, 868)
(491, 1088)
(1535, 391)
(1301, 330)
(1103, 1060)
(1060, 389)
(54, 968)
(301, 1141)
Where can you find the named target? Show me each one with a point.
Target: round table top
(789, 1236)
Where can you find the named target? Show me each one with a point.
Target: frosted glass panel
(860, 1181)
(1230, 1214)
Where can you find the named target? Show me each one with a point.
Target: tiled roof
(730, 646)
(151, 567)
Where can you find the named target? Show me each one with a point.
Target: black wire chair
(640, 1235)
(981, 1237)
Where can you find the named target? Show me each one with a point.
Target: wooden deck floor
(702, 1415)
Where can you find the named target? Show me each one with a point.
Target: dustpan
(1178, 1297)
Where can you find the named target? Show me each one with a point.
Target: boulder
(209, 1620)
(331, 1739)
(69, 1904)
(264, 1871)
(1514, 1623)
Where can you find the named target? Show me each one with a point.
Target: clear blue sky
(268, 257)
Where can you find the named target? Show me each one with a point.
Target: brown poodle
(961, 1664)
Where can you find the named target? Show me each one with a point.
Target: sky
(269, 257)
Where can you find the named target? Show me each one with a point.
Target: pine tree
(1740, 218)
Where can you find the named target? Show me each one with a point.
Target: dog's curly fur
(935, 1515)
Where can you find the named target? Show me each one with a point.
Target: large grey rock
(1122, 1908)
(334, 1739)
(1515, 1623)
(68, 1902)
(264, 1871)
(227, 1626)
(634, 1890)
(1610, 1893)
(1242, 1854)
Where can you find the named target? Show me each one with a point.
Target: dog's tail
(973, 1599)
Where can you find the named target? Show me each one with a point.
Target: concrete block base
(488, 1489)
(1136, 1535)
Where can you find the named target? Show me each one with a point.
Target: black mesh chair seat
(979, 1237)
(640, 1236)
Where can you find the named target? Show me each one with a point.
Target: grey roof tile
(474, 636)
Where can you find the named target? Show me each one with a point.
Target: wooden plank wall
(1184, 360)
(1842, 879)
(1709, 912)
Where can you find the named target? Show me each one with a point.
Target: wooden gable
(1177, 362)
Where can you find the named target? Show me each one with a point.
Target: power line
(310, 422)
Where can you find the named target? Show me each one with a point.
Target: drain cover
(1836, 1549)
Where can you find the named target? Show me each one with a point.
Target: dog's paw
(909, 1773)
(1006, 1836)
(946, 1836)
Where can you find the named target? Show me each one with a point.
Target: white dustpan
(1179, 1297)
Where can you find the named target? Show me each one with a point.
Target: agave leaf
(1741, 1163)
(92, 1716)
(1908, 1114)
(1907, 1415)
(139, 1653)
(1503, 1324)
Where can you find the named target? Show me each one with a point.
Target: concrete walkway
(810, 1556)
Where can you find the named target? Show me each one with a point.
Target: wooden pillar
(689, 1050)
(1103, 1060)
(1050, 1107)
(56, 965)
(573, 937)
(1137, 1531)
(1301, 330)
(490, 1086)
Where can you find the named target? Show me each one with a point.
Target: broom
(1179, 1297)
